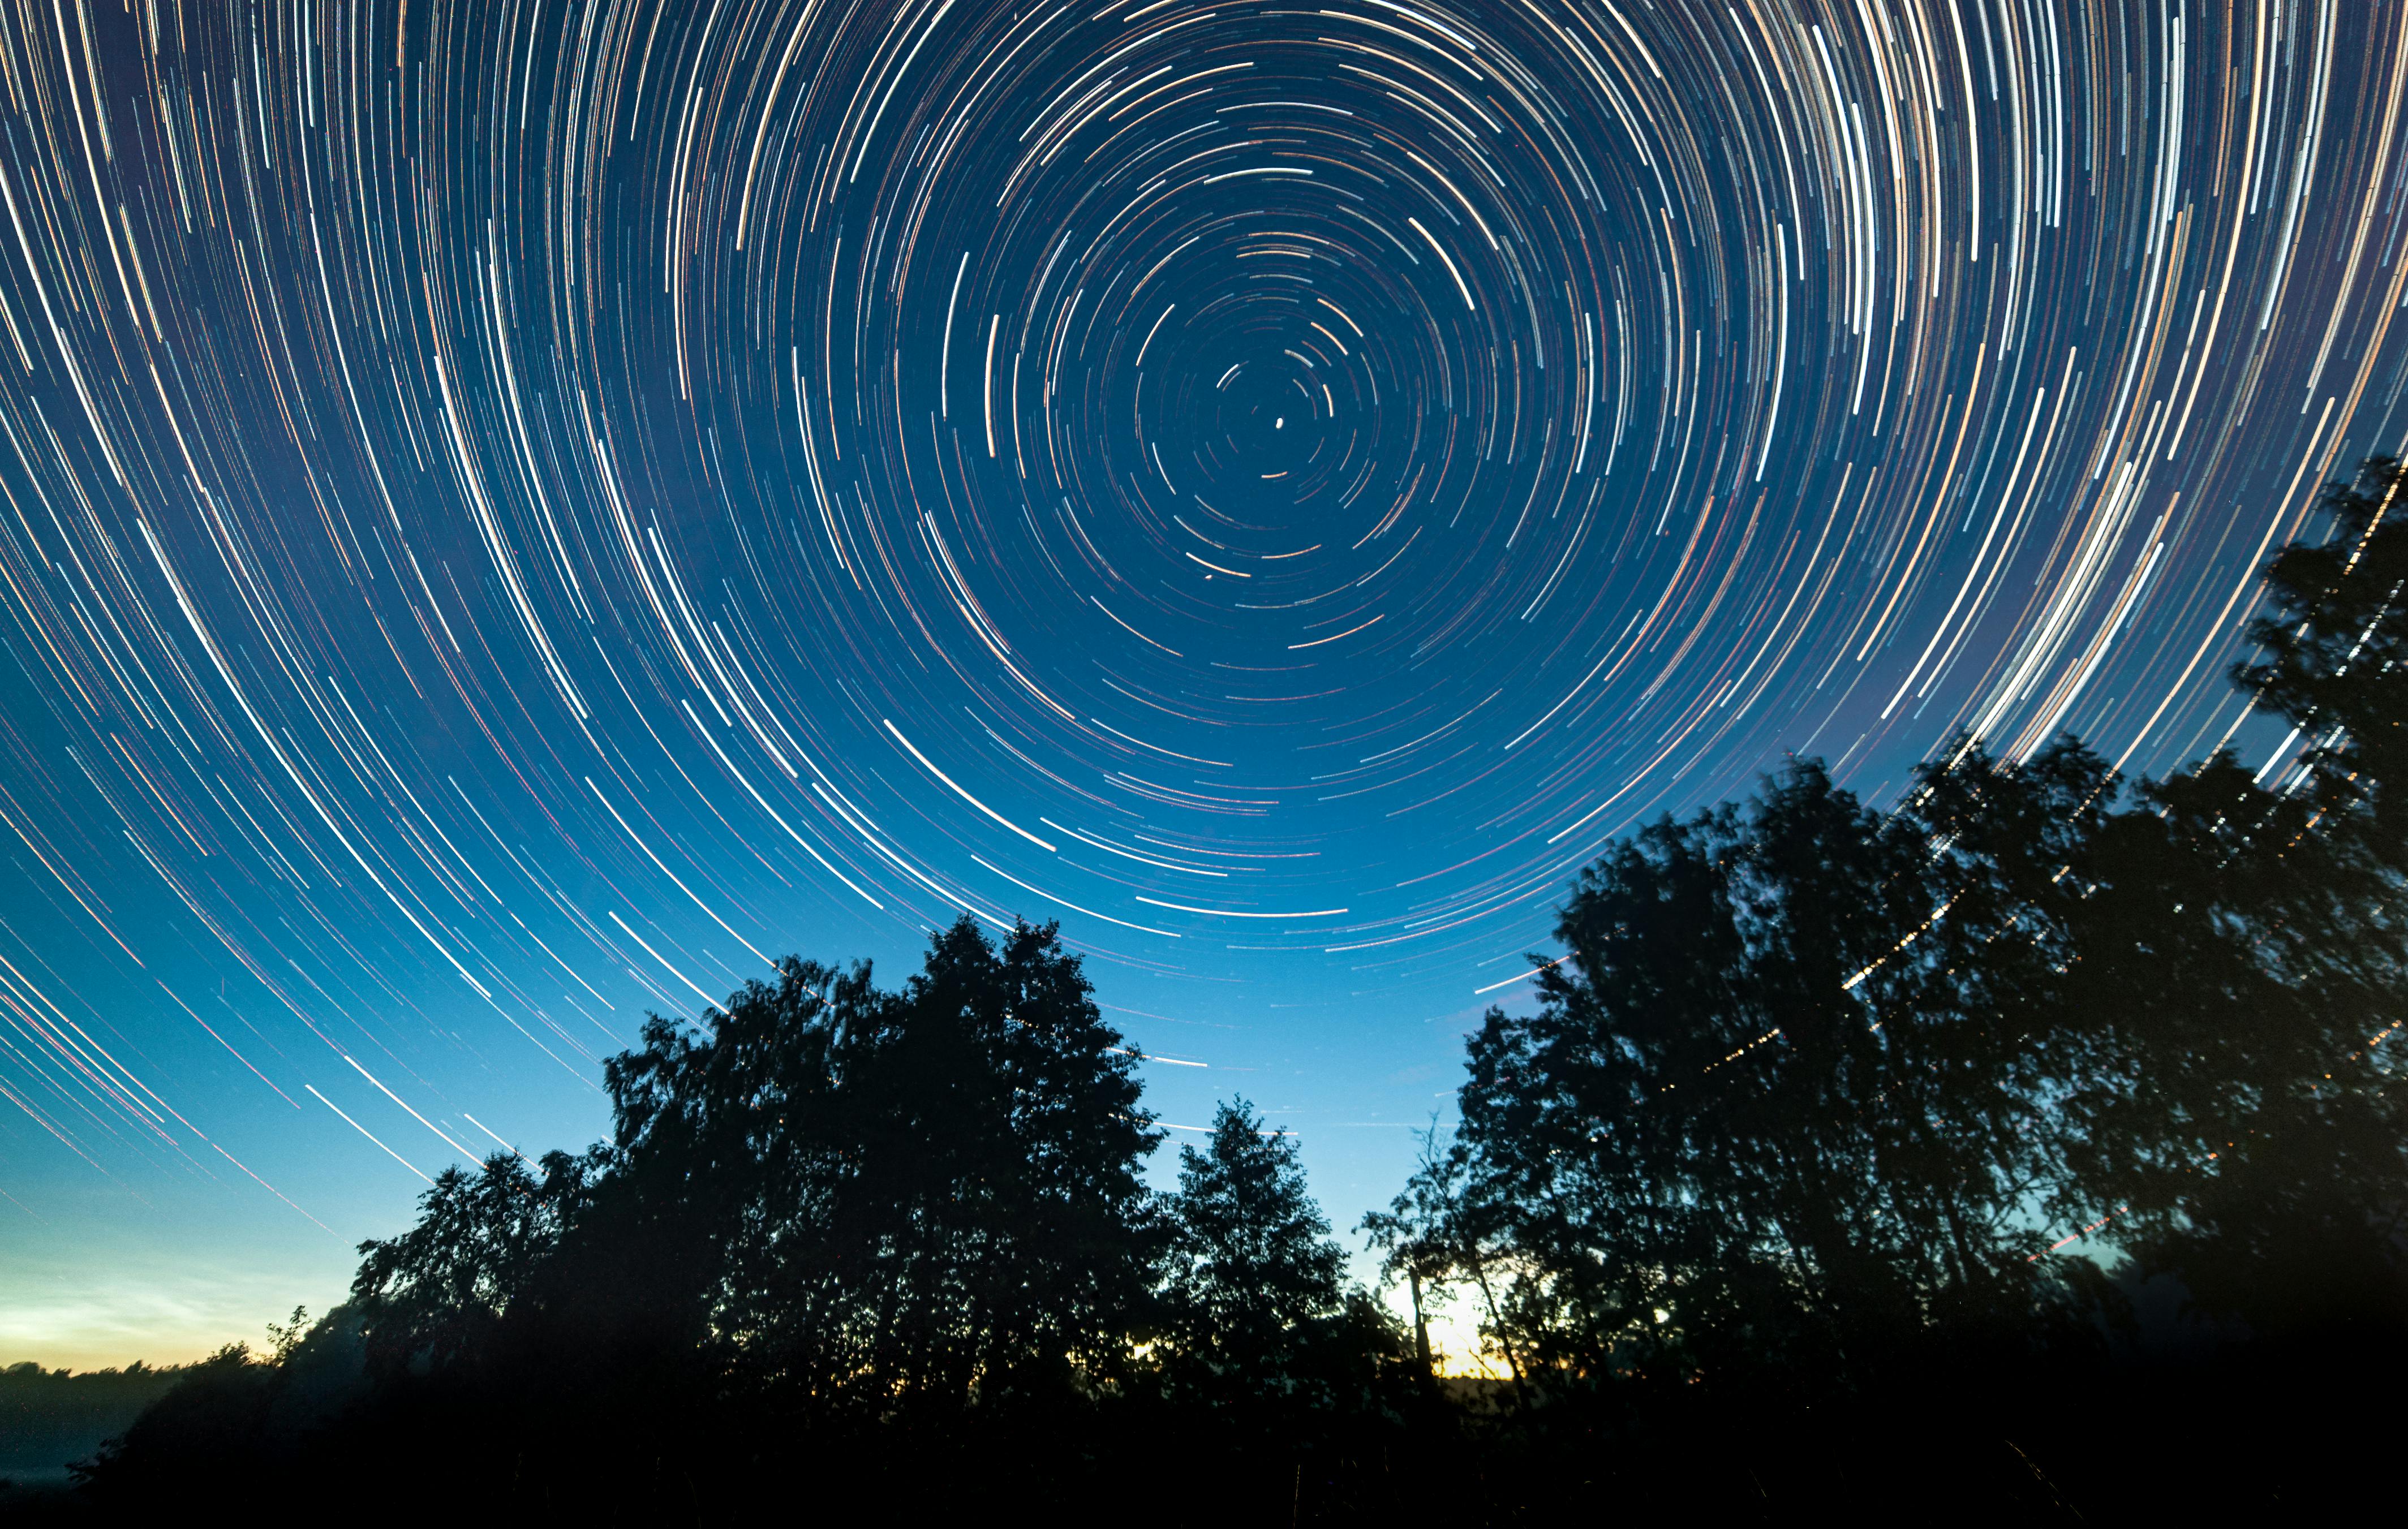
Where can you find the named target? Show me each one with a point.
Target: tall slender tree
(1253, 1262)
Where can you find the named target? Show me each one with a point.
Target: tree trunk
(1420, 1329)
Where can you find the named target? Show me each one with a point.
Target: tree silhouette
(1271, 1364)
(1433, 1234)
(885, 1200)
(436, 1293)
(1252, 1261)
(1760, 1123)
(2243, 950)
(2333, 652)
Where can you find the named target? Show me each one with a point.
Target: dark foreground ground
(2253, 1434)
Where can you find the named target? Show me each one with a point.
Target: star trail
(517, 514)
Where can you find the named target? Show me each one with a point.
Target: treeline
(50, 1417)
(869, 1235)
(2031, 1146)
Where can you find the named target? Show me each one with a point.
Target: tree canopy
(862, 1198)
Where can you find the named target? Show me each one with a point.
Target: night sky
(516, 514)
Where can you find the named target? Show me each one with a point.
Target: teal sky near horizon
(513, 514)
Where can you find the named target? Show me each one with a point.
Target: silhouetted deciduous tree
(1252, 1262)
(1276, 1371)
(882, 1200)
(1759, 1124)
(1435, 1233)
(2243, 954)
(2333, 653)
(435, 1294)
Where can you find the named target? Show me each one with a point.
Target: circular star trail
(517, 514)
